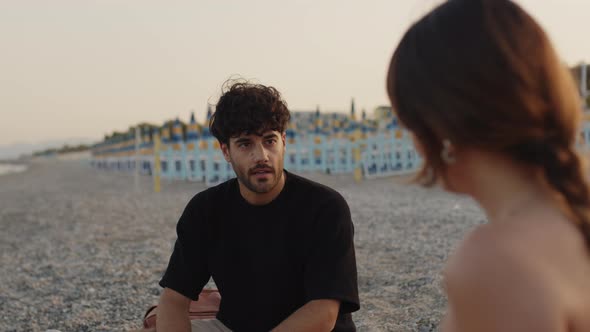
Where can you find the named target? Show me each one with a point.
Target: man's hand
(173, 312)
(316, 315)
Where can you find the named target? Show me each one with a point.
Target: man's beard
(259, 187)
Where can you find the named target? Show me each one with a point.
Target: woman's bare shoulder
(526, 245)
(488, 248)
(493, 280)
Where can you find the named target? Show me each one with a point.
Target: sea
(12, 168)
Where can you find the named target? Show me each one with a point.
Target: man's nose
(259, 153)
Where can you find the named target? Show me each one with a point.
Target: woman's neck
(504, 188)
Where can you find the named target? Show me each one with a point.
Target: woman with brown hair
(495, 116)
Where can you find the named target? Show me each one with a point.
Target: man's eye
(243, 145)
(271, 141)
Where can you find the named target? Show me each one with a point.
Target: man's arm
(173, 312)
(315, 315)
(187, 270)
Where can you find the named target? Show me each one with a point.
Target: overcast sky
(72, 68)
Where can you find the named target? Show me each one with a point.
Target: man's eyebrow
(270, 135)
(242, 140)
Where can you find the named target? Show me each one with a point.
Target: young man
(279, 247)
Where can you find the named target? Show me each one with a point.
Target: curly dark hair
(248, 108)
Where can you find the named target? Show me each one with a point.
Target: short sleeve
(330, 269)
(187, 271)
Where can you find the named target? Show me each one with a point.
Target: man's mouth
(261, 171)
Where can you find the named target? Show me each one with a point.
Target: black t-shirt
(267, 261)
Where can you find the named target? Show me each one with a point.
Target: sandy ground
(83, 250)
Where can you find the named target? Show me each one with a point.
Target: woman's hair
(483, 74)
(248, 108)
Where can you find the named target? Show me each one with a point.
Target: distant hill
(16, 150)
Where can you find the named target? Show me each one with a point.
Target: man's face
(257, 159)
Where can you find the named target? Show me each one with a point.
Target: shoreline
(10, 167)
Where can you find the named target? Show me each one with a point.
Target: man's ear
(225, 150)
(284, 136)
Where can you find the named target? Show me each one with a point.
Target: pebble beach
(83, 249)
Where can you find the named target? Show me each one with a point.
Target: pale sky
(81, 68)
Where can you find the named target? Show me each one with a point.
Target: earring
(446, 153)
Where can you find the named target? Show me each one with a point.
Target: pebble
(82, 250)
